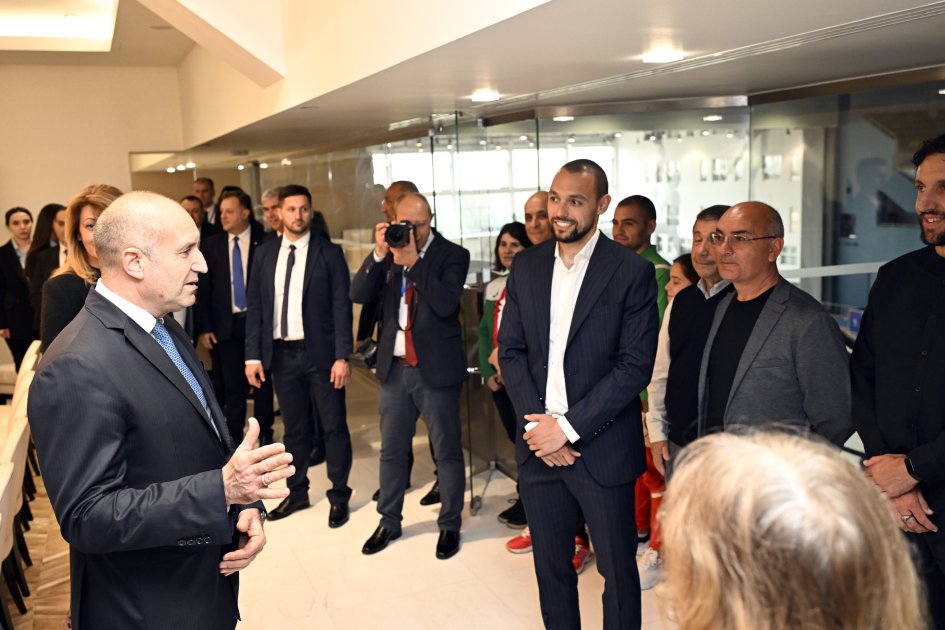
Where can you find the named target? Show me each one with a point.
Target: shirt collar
(716, 288)
(243, 236)
(587, 251)
(137, 314)
(301, 242)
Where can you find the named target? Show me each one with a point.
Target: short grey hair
(130, 221)
(271, 193)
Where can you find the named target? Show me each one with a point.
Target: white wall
(65, 127)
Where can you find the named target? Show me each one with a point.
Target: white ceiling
(568, 52)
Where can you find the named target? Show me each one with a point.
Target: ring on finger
(906, 518)
(265, 479)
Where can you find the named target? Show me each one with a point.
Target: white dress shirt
(211, 211)
(296, 330)
(565, 288)
(657, 425)
(244, 257)
(62, 254)
(400, 341)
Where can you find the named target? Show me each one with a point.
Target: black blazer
(16, 312)
(326, 309)
(63, 299)
(609, 357)
(132, 467)
(213, 311)
(47, 261)
(438, 280)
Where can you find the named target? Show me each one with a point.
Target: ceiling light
(652, 137)
(712, 118)
(942, 91)
(663, 55)
(190, 165)
(450, 147)
(34, 28)
(705, 132)
(286, 162)
(419, 145)
(618, 135)
(485, 95)
(240, 167)
(482, 142)
(531, 144)
(563, 118)
(171, 169)
(729, 135)
(523, 138)
(263, 165)
(571, 140)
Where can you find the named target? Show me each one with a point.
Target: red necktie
(410, 353)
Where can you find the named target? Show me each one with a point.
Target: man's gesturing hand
(251, 542)
(246, 477)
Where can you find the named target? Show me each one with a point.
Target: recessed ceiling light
(618, 135)
(171, 169)
(263, 165)
(663, 55)
(240, 167)
(942, 91)
(571, 140)
(286, 162)
(705, 132)
(181, 167)
(563, 118)
(485, 95)
(190, 165)
(729, 135)
(523, 138)
(712, 118)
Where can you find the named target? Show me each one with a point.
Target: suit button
(208, 540)
(925, 353)
(199, 540)
(190, 542)
(181, 542)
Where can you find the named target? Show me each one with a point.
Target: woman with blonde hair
(65, 292)
(774, 531)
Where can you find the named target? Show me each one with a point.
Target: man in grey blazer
(774, 355)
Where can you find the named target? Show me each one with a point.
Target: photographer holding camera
(421, 363)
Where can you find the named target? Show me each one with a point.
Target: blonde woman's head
(81, 215)
(774, 531)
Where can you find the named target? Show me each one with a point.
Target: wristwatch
(911, 469)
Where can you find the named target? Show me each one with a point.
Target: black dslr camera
(398, 234)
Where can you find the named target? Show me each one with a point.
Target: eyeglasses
(737, 240)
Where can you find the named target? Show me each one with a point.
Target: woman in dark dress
(16, 313)
(65, 292)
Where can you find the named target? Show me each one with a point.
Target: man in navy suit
(576, 348)
(421, 363)
(299, 325)
(158, 509)
(221, 311)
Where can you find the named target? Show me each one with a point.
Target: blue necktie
(239, 284)
(164, 338)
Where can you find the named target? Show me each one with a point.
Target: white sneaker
(650, 566)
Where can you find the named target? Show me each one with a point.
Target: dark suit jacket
(47, 261)
(609, 358)
(794, 368)
(438, 280)
(63, 299)
(213, 311)
(132, 466)
(326, 309)
(16, 312)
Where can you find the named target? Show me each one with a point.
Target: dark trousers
(503, 405)
(403, 398)
(305, 391)
(228, 358)
(930, 552)
(18, 348)
(553, 497)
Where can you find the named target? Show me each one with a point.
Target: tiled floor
(310, 576)
(313, 577)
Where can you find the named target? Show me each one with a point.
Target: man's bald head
(537, 224)
(137, 219)
(763, 215)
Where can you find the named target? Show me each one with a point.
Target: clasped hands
(906, 502)
(548, 441)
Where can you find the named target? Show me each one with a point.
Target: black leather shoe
(379, 540)
(287, 507)
(433, 496)
(338, 515)
(317, 456)
(447, 545)
(376, 495)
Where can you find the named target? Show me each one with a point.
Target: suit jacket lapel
(544, 272)
(314, 251)
(767, 319)
(596, 279)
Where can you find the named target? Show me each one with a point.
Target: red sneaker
(521, 543)
(582, 554)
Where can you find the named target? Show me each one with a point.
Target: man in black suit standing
(205, 190)
(421, 363)
(576, 348)
(16, 311)
(135, 450)
(221, 312)
(299, 325)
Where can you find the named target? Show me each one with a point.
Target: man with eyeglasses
(774, 356)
